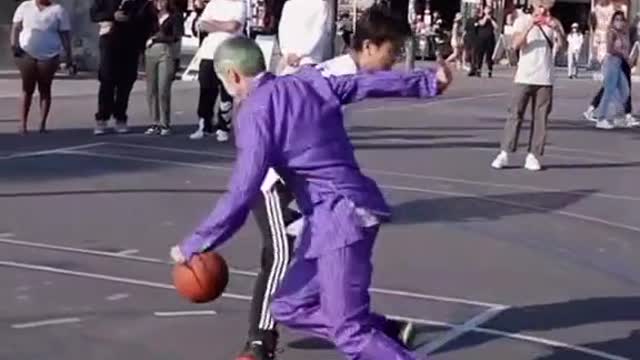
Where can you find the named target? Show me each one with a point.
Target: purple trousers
(328, 297)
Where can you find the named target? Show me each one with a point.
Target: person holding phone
(535, 36)
(41, 28)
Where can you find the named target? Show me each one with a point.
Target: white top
(535, 66)
(221, 10)
(341, 65)
(338, 66)
(40, 35)
(575, 41)
(304, 31)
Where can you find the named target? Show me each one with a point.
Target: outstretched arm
(417, 84)
(252, 163)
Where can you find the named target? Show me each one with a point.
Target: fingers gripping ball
(203, 279)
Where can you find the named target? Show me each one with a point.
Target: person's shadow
(573, 313)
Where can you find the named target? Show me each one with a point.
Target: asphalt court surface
(508, 265)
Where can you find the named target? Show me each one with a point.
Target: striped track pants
(273, 215)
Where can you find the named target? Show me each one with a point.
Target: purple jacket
(295, 125)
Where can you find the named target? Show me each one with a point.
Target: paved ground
(493, 265)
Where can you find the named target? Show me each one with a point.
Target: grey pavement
(490, 264)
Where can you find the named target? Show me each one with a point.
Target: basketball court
(489, 264)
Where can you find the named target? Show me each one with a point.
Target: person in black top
(471, 39)
(486, 40)
(160, 64)
(125, 26)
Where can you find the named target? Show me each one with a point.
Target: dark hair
(618, 13)
(378, 25)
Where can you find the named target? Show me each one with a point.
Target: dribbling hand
(177, 256)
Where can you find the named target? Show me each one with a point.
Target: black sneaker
(401, 331)
(255, 350)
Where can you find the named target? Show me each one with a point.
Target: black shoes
(255, 350)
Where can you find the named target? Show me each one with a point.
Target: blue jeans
(615, 84)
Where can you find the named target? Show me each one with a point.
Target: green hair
(241, 54)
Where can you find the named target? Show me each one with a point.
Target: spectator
(575, 40)
(125, 26)
(486, 28)
(457, 42)
(221, 19)
(302, 34)
(471, 40)
(40, 29)
(534, 36)
(160, 65)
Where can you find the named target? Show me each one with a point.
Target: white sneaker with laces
(199, 133)
(532, 163)
(588, 115)
(222, 136)
(631, 121)
(122, 129)
(101, 128)
(604, 124)
(501, 160)
(153, 130)
(165, 131)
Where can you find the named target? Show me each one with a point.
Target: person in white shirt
(535, 36)
(40, 31)
(575, 40)
(377, 42)
(221, 19)
(303, 34)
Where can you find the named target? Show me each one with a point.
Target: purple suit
(295, 125)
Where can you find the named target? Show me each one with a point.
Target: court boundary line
(391, 173)
(51, 151)
(462, 330)
(424, 190)
(157, 285)
(140, 259)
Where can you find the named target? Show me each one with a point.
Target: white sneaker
(153, 130)
(199, 133)
(222, 136)
(604, 124)
(122, 129)
(501, 160)
(165, 131)
(532, 163)
(100, 129)
(631, 121)
(588, 115)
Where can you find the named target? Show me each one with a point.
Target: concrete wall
(84, 33)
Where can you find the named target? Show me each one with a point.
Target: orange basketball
(203, 279)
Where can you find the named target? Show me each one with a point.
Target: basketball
(203, 279)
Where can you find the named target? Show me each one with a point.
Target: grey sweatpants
(541, 98)
(160, 70)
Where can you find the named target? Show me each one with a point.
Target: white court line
(430, 103)
(395, 173)
(116, 279)
(127, 252)
(531, 339)
(460, 331)
(7, 235)
(117, 297)
(50, 151)
(399, 293)
(399, 188)
(184, 313)
(49, 322)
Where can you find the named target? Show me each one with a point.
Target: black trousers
(484, 51)
(626, 69)
(210, 88)
(118, 72)
(273, 215)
